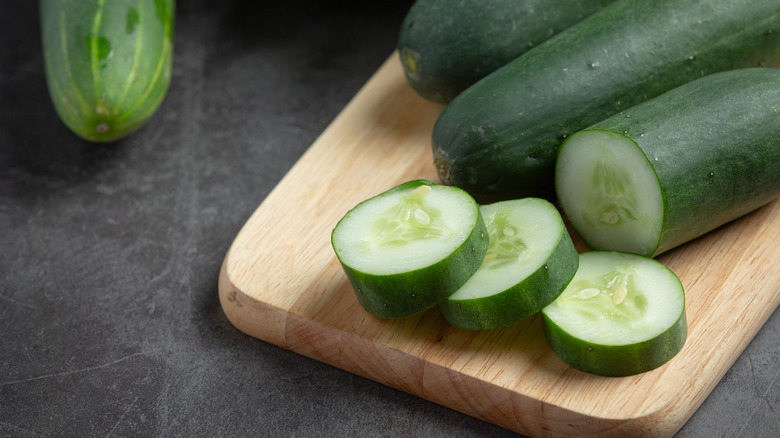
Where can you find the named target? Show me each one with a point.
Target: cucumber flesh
(622, 314)
(610, 192)
(410, 247)
(404, 231)
(530, 259)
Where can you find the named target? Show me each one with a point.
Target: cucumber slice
(409, 248)
(529, 261)
(622, 314)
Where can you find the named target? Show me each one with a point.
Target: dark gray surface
(110, 320)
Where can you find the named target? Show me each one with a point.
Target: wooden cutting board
(280, 282)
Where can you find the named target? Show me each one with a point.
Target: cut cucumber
(529, 261)
(622, 314)
(499, 138)
(410, 247)
(675, 167)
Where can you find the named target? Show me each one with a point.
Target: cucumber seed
(609, 217)
(421, 191)
(422, 217)
(620, 294)
(588, 292)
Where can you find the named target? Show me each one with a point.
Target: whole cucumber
(447, 45)
(108, 62)
(499, 138)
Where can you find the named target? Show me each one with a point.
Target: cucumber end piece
(409, 62)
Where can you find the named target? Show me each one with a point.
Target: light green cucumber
(409, 248)
(675, 167)
(622, 314)
(108, 62)
(530, 259)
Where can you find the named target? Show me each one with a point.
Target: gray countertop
(111, 324)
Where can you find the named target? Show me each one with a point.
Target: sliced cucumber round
(529, 261)
(622, 314)
(410, 247)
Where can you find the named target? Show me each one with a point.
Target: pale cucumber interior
(523, 234)
(618, 299)
(404, 230)
(610, 192)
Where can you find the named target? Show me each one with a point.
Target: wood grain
(280, 282)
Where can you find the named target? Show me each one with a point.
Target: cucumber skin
(454, 43)
(490, 312)
(426, 286)
(717, 144)
(499, 138)
(129, 85)
(616, 361)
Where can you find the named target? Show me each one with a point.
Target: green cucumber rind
(499, 138)
(616, 361)
(713, 144)
(525, 298)
(399, 295)
(107, 62)
(447, 45)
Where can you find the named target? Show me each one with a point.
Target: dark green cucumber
(447, 45)
(530, 259)
(677, 166)
(108, 62)
(500, 137)
(622, 314)
(409, 248)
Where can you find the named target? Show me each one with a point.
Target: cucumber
(447, 45)
(677, 166)
(529, 261)
(500, 137)
(622, 314)
(409, 248)
(108, 62)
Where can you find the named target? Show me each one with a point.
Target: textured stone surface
(109, 315)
